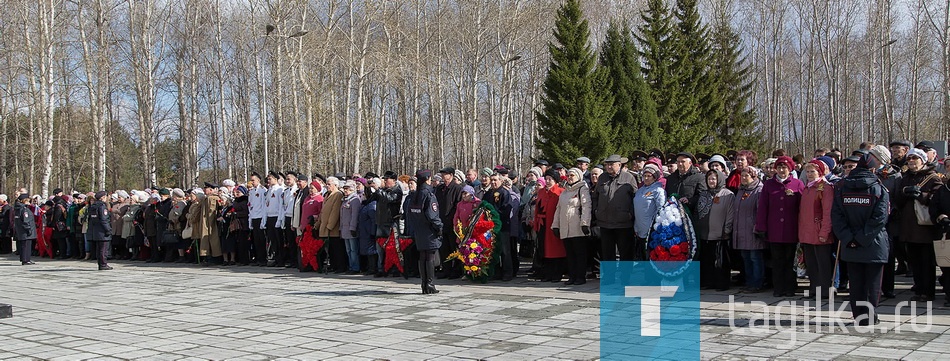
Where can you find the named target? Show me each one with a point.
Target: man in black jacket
(388, 203)
(859, 217)
(24, 228)
(99, 221)
(422, 216)
(448, 194)
(6, 233)
(687, 183)
(612, 203)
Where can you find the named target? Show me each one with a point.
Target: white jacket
(274, 203)
(289, 196)
(255, 204)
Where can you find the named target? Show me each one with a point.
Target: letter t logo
(650, 305)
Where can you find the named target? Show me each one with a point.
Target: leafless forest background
(99, 94)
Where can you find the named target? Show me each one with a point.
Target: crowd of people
(856, 218)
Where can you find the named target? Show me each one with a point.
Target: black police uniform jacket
(859, 217)
(24, 223)
(99, 220)
(422, 215)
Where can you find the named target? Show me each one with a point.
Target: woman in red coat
(554, 264)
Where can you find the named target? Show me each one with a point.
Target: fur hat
(177, 192)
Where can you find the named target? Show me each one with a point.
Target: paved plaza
(67, 310)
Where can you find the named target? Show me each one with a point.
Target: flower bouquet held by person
(672, 242)
(477, 243)
(309, 246)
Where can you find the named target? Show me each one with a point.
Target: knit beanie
(829, 161)
(820, 166)
(917, 152)
(787, 161)
(721, 160)
(577, 172)
(536, 171)
(881, 153)
(654, 170)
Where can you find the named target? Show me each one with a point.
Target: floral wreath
(477, 243)
(672, 242)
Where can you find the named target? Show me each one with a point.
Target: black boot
(371, 264)
(426, 272)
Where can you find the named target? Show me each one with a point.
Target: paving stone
(162, 312)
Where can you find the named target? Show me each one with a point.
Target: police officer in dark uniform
(859, 218)
(425, 226)
(24, 228)
(100, 228)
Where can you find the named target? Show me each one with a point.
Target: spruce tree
(576, 104)
(663, 69)
(693, 63)
(736, 124)
(634, 112)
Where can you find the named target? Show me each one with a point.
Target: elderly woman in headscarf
(750, 246)
(529, 197)
(714, 217)
(572, 224)
(646, 203)
(484, 174)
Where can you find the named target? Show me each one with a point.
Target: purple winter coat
(777, 215)
(746, 206)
